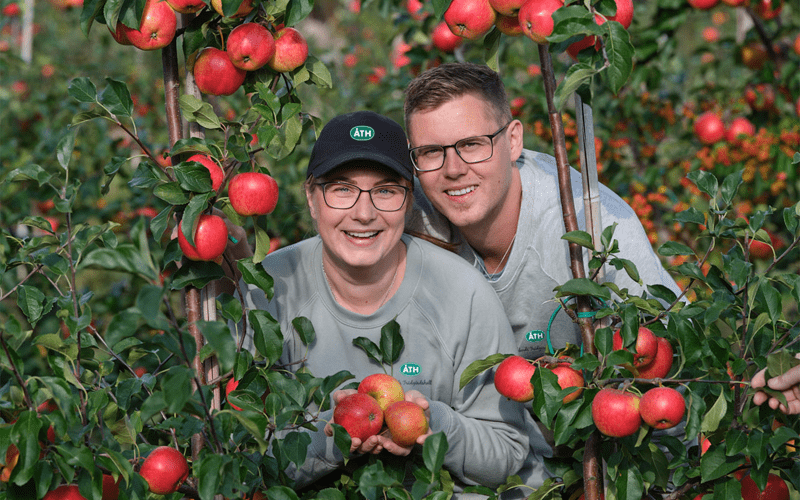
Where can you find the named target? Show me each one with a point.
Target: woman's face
(361, 236)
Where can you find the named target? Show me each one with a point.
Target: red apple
(444, 39)
(767, 9)
(156, 29)
(230, 387)
(414, 8)
(186, 6)
(291, 50)
(645, 347)
(568, 377)
(709, 128)
(470, 19)
(215, 74)
(214, 170)
(360, 415)
(662, 407)
(512, 378)
(711, 34)
(12, 10)
(406, 421)
(775, 489)
(245, 8)
(760, 97)
(165, 469)
(118, 34)
(65, 492)
(763, 250)
(110, 488)
(507, 7)
(703, 4)
(210, 239)
(796, 45)
(735, 3)
(383, 387)
(508, 25)
(661, 364)
(250, 46)
(536, 18)
(253, 193)
(740, 126)
(11, 459)
(616, 412)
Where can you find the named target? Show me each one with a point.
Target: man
(500, 203)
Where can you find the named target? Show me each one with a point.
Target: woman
(360, 273)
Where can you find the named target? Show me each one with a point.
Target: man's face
(469, 195)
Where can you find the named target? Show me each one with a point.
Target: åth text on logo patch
(410, 369)
(362, 133)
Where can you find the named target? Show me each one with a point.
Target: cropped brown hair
(448, 81)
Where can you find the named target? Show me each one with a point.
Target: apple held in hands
(250, 46)
(360, 415)
(165, 469)
(662, 407)
(291, 50)
(215, 74)
(383, 387)
(253, 193)
(470, 19)
(156, 28)
(210, 239)
(512, 378)
(616, 413)
(406, 421)
(646, 346)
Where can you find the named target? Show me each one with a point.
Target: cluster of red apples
(471, 19)
(249, 193)
(249, 46)
(616, 412)
(380, 401)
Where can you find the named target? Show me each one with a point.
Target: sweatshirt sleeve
(485, 431)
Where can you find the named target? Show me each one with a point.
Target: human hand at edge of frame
(788, 383)
(396, 449)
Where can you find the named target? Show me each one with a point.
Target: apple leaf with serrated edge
(581, 238)
(479, 366)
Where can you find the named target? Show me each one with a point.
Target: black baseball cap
(361, 135)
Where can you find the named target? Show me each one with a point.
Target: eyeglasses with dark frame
(472, 150)
(343, 195)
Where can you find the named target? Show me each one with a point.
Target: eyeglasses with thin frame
(343, 195)
(471, 150)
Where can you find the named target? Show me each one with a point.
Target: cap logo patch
(362, 133)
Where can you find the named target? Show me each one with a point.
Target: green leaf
(262, 243)
(771, 298)
(82, 89)
(267, 336)
(31, 301)
(219, 336)
(148, 301)
(730, 185)
(479, 366)
(434, 451)
(369, 347)
(209, 474)
(620, 53)
(24, 434)
(178, 381)
(581, 238)
(691, 215)
(391, 342)
(779, 363)
(628, 482)
(86, 116)
(304, 329)
(583, 286)
(715, 464)
(297, 10)
(193, 176)
(172, 193)
(116, 98)
(546, 400)
(295, 446)
(196, 274)
(577, 75)
(64, 149)
(715, 415)
(255, 274)
(705, 181)
(674, 248)
(197, 205)
(197, 111)
(341, 439)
